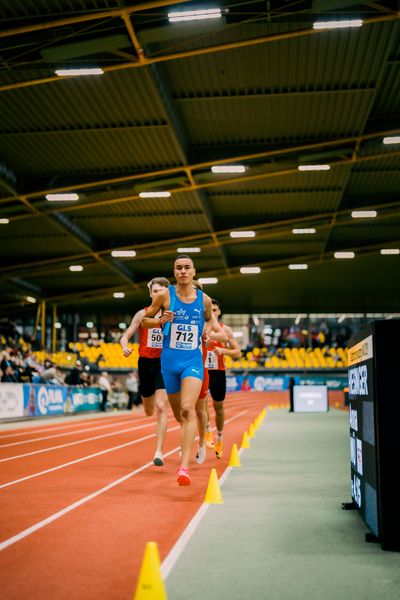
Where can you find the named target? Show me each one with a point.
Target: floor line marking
(179, 546)
(37, 526)
(40, 524)
(56, 435)
(91, 439)
(78, 460)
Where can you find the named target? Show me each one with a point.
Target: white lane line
(56, 435)
(26, 532)
(78, 460)
(74, 422)
(179, 546)
(73, 462)
(91, 439)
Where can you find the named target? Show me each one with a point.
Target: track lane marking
(40, 524)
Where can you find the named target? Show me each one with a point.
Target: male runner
(217, 386)
(151, 384)
(185, 310)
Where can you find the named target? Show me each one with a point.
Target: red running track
(79, 502)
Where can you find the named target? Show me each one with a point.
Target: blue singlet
(181, 354)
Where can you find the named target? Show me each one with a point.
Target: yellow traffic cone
(263, 413)
(150, 585)
(213, 494)
(251, 431)
(257, 423)
(234, 460)
(245, 440)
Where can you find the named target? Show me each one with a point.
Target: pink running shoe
(183, 477)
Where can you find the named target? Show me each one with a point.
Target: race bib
(184, 337)
(211, 360)
(154, 338)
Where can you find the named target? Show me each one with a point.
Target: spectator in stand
(74, 376)
(105, 387)
(132, 385)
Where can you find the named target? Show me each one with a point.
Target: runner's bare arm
(233, 349)
(214, 332)
(133, 327)
(160, 302)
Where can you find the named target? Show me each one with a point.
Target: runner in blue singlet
(185, 309)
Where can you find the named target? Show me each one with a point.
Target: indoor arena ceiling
(258, 86)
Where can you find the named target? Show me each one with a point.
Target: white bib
(154, 338)
(211, 360)
(184, 337)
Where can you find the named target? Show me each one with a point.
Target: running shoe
(158, 460)
(183, 477)
(209, 440)
(201, 454)
(218, 449)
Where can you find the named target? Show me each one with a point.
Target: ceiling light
(344, 255)
(228, 169)
(119, 295)
(123, 253)
(187, 250)
(4, 221)
(341, 318)
(298, 319)
(250, 270)
(363, 214)
(206, 280)
(298, 267)
(89, 324)
(62, 197)
(58, 325)
(338, 24)
(122, 325)
(75, 72)
(194, 15)
(238, 334)
(76, 268)
(154, 194)
(305, 230)
(394, 139)
(314, 167)
(390, 251)
(242, 234)
(31, 299)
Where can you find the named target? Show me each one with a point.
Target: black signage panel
(374, 410)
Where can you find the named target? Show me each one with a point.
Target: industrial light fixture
(390, 251)
(71, 197)
(194, 15)
(364, 214)
(4, 221)
(344, 255)
(89, 324)
(154, 194)
(188, 250)
(321, 167)
(250, 270)
(228, 169)
(298, 267)
(123, 253)
(206, 280)
(119, 295)
(393, 139)
(31, 299)
(76, 268)
(338, 24)
(58, 325)
(75, 72)
(122, 325)
(306, 230)
(242, 234)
